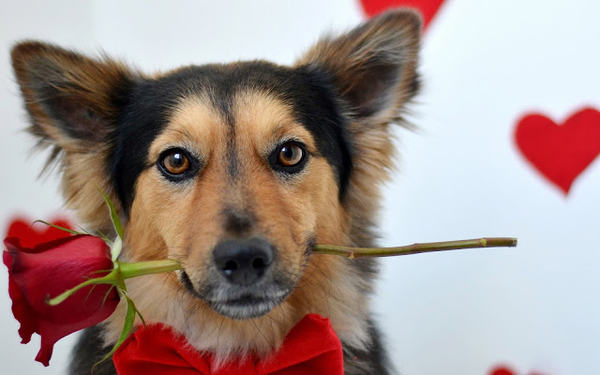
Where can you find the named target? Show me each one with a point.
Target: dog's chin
(239, 303)
(247, 306)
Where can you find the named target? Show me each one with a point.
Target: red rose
(49, 269)
(34, 234)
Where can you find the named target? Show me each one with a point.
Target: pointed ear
(374, 65)
(73, 104)
(72, 100)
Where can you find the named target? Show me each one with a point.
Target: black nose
(243, 262)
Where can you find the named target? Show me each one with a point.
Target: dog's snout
(244, 262)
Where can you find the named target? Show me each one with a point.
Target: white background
(485, 63)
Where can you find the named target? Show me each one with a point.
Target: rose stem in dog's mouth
(145, 268)
(360, 252)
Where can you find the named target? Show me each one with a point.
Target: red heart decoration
(502, 370)
(31, 235)
(428, 8)
(560, 152)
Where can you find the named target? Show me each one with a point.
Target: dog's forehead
(256, 122)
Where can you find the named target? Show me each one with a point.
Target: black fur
(373, 361)
(89, 350)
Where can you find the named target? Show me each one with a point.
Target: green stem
(121, 272)
(111, 278)
(129, 270)
(358, 252)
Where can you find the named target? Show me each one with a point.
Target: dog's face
(237, 170)
(234, 181)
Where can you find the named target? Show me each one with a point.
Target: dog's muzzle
(242, 282)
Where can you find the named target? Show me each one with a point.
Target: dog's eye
(289, 157)
(290, 154)
(176, 164)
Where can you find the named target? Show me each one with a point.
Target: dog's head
(236, 170)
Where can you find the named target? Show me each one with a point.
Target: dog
(236, 171)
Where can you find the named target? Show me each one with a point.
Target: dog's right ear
(73, 104)
(72, 100)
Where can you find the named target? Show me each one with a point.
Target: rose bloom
(31, 235)
(45, 271)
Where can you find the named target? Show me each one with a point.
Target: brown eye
(178, 165)
(290, 154)
(175, 162)
(289, 158)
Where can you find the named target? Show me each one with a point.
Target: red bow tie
(311, 347)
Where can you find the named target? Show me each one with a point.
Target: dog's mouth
(239, 303)
(247, 306)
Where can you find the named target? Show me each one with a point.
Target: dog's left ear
(374, 65)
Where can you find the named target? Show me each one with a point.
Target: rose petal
(34, 234)
(20, 308)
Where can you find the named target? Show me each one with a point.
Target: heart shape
(506, 371)
(560, 152)
(428, 8)
(31, 235)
